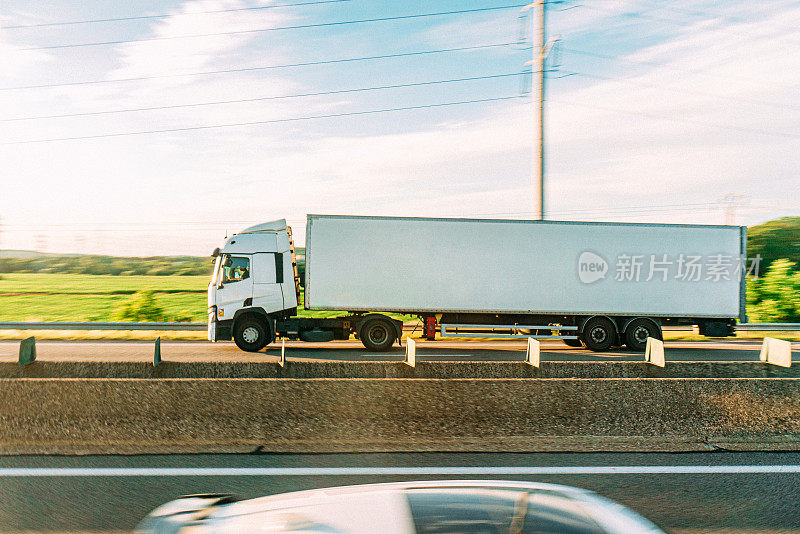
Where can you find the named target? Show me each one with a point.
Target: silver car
(429, 507)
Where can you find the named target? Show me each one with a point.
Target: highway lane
(690, 502)
(441, 350)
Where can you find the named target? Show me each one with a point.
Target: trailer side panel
(504, 266)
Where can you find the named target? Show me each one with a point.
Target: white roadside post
(282, 361)
(654, 352)
(532, 354)
(776, 352)
(411, 352)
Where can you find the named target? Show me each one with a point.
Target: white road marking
(389, 471)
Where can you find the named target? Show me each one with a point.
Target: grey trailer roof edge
(311, 216)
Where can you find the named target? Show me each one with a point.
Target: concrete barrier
(39, 416)
(399, 369)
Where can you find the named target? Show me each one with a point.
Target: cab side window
(235, 268)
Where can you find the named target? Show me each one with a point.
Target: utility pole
(41, 242)
(731, 202)
(540, 48)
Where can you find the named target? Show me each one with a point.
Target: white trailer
(597, 284)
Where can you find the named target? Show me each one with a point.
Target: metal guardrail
(65, 325)
(50, 325)
(765, 327)
(8, 325)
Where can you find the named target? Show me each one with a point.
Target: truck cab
(255, 273)
(255, 290)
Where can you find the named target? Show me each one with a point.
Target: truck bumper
(212, 331)
(219, 330)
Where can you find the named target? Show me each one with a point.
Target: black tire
(251, 334)
(573, 343)
(637, 332)
(377, 334)
(599, 334)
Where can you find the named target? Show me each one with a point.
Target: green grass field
(98, 284)
(98, 298)
(89, 298)
(85, 298)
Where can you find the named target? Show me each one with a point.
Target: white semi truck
(595, 284)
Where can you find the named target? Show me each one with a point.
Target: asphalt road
(688, 502)
(733, 350)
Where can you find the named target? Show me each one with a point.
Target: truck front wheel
(251, 334)
(377, 334)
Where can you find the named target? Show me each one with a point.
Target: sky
(188, 120)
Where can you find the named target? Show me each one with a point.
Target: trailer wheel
(377, 334)
(250, 334)
(638, 331)
(573, 343)
(599, 334)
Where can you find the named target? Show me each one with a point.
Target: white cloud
(600, 162)
(176, 55)
(14, 60)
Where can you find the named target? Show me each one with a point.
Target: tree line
(772, 297)
(109, 265)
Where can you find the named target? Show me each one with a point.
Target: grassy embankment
(100, 298)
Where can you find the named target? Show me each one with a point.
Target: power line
(165, 15)
(253, 123)
(656, 64)
(683, 90)
(258, 99)
(265, 67)
(647, 15)
(718, 61)
(194, 226)
(760, 203)
(600, 210)
(685, 121)
(277, 28)
(740, 20)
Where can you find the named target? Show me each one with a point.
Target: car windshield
(496, 511)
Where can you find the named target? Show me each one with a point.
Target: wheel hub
(598, 335)
(250, 334)
(378, 334)
(641, 334)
